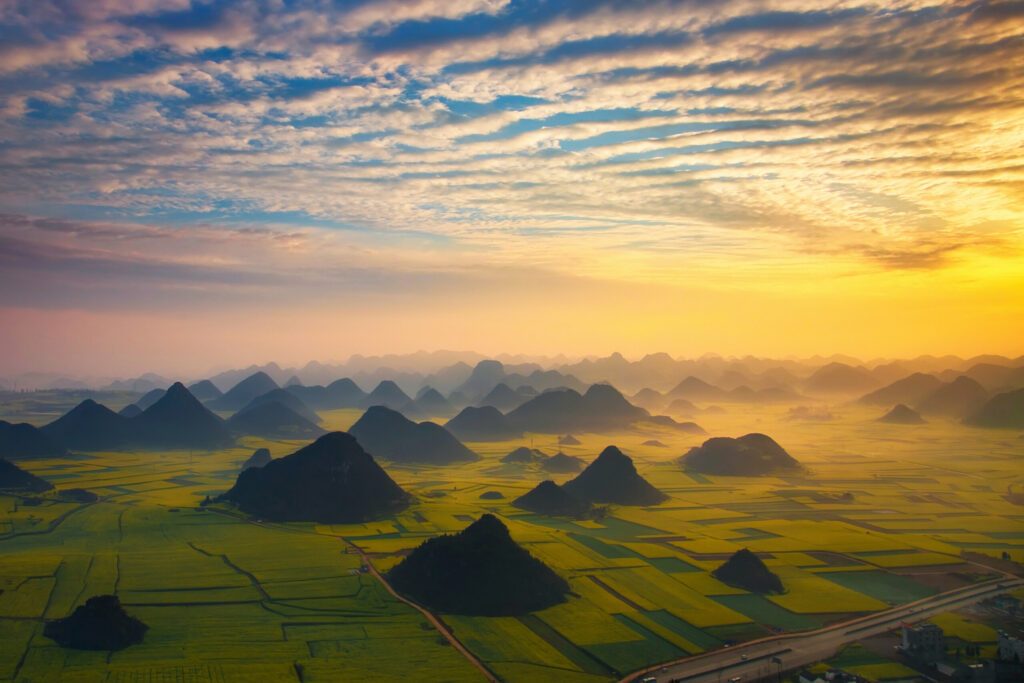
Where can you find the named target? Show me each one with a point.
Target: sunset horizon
(547, 177)
(512, 341)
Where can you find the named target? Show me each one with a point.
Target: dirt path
(433, 620)
(437, 623)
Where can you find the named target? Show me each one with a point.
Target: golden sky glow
(192, 184)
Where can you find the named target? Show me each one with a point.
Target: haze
(190, 185)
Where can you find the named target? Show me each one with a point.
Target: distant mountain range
(1004, 411)
(958, 397)
(447, 371)
(177, 420)
(501, 400)
(657, 381)
(388, 434)
(601, 408)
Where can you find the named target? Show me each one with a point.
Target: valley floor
(230, 600)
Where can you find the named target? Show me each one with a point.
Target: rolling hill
(750, 455)
(388, 434)
(331, 481)
(22, 440)
(612, 478)
(479, 571)
(1004, 411)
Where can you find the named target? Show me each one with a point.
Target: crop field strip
(225, 598)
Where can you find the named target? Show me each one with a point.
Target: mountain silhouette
(482, 424)
(681, 406)
(959, 398)
(479, 571)
(272, 420)
(342, 393)
(288, 400)
(503, 398)
(902, 415)
(238, 396)
(568, 440)
(548, 498)
(389, 395)
(486, 374)
(601, 408)
(606, 404)
(150, 397)
(996, 377)
(388, 434)
(560, 463)
(179, 420)
(13, 478)
(612, 478)
(550, 412)
(458, 400)
(524, 456)
(695, 389)
(130, 410)
(648, 398)
(330, 481)
(750, 455)
(654, 443)
(176, 420)
(22, 440)
(544, 380)
(205, 390)
(684, 427)
(430, 402)
(746, 570)
(293, 381)
(90, 426)
(259, 458)
(100, 624)
(1004, 410)
(909, 390)
(840, 378)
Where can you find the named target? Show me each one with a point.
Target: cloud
(635, 140)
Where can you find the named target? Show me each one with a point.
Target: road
(434, 620)
(809, 647)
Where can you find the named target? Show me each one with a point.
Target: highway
(756, 660)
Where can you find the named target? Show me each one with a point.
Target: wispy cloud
(238, 144)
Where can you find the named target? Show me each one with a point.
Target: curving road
(765, 658)
(435, 621)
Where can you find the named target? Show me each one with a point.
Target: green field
(227, 599)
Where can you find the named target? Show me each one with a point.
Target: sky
(186, 184)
